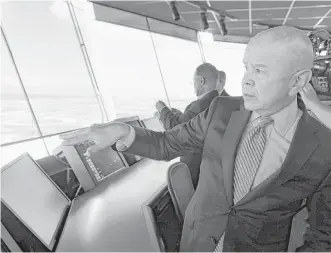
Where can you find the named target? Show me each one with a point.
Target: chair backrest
(180, 187)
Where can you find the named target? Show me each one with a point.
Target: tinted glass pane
(125, 66)
(16, 120)
(45, 46)
(178, 59)
(227, 57)
(35, 148)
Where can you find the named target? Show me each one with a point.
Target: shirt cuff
(163, 109)
(163, 112)
(125, 142)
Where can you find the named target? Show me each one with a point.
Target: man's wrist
(128, 136)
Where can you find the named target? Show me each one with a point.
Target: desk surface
(110, 217)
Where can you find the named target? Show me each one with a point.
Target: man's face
(265, 84)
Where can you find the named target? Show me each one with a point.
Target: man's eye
(259, 71)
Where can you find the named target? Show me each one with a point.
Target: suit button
(232, 212)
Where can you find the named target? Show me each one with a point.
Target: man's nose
(247, 80)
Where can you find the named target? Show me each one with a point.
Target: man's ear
(222, 77)
(299, 80)
(202, 80)
(223, 81)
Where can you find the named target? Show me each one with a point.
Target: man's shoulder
(324, 136)
(202, 103)
(209, 96)
(322, 133)
(227, 103)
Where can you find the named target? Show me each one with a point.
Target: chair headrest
(180, 187)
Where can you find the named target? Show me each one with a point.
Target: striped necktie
(249, 155)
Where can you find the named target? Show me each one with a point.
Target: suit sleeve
(171, 119)
(318, 235)
(184, 139)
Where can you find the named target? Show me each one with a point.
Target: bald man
(208, 83)
(263, 156)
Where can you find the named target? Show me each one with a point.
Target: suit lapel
(231, 138)
(302, 146)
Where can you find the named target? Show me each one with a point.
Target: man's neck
(276, 109)
(284, 117)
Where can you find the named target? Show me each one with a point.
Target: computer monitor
(153, 124)
(135, 123)
(91, 169)
(132, 120)
(29, 193)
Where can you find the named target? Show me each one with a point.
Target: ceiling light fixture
(175, 13)
(204, 21)
(223, 29)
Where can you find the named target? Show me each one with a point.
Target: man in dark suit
(208, 84)
(262, 155)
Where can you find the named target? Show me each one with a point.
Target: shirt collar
(283, 119)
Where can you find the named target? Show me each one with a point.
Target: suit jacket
(171, 119)
(261, 221)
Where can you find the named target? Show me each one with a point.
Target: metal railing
(42, 137)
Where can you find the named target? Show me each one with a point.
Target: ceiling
(243, 18)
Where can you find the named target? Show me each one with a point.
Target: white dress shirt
(279, 138)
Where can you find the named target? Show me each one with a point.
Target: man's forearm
(149, 144)
(170, 119)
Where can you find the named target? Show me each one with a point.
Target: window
(16, 119)
(52, 143)
(35, 148)
(178, 59)
(227, 57)
(125, 66)
(48, 56)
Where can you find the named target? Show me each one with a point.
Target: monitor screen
(34, 198)
(153, 124)
(99, 164)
